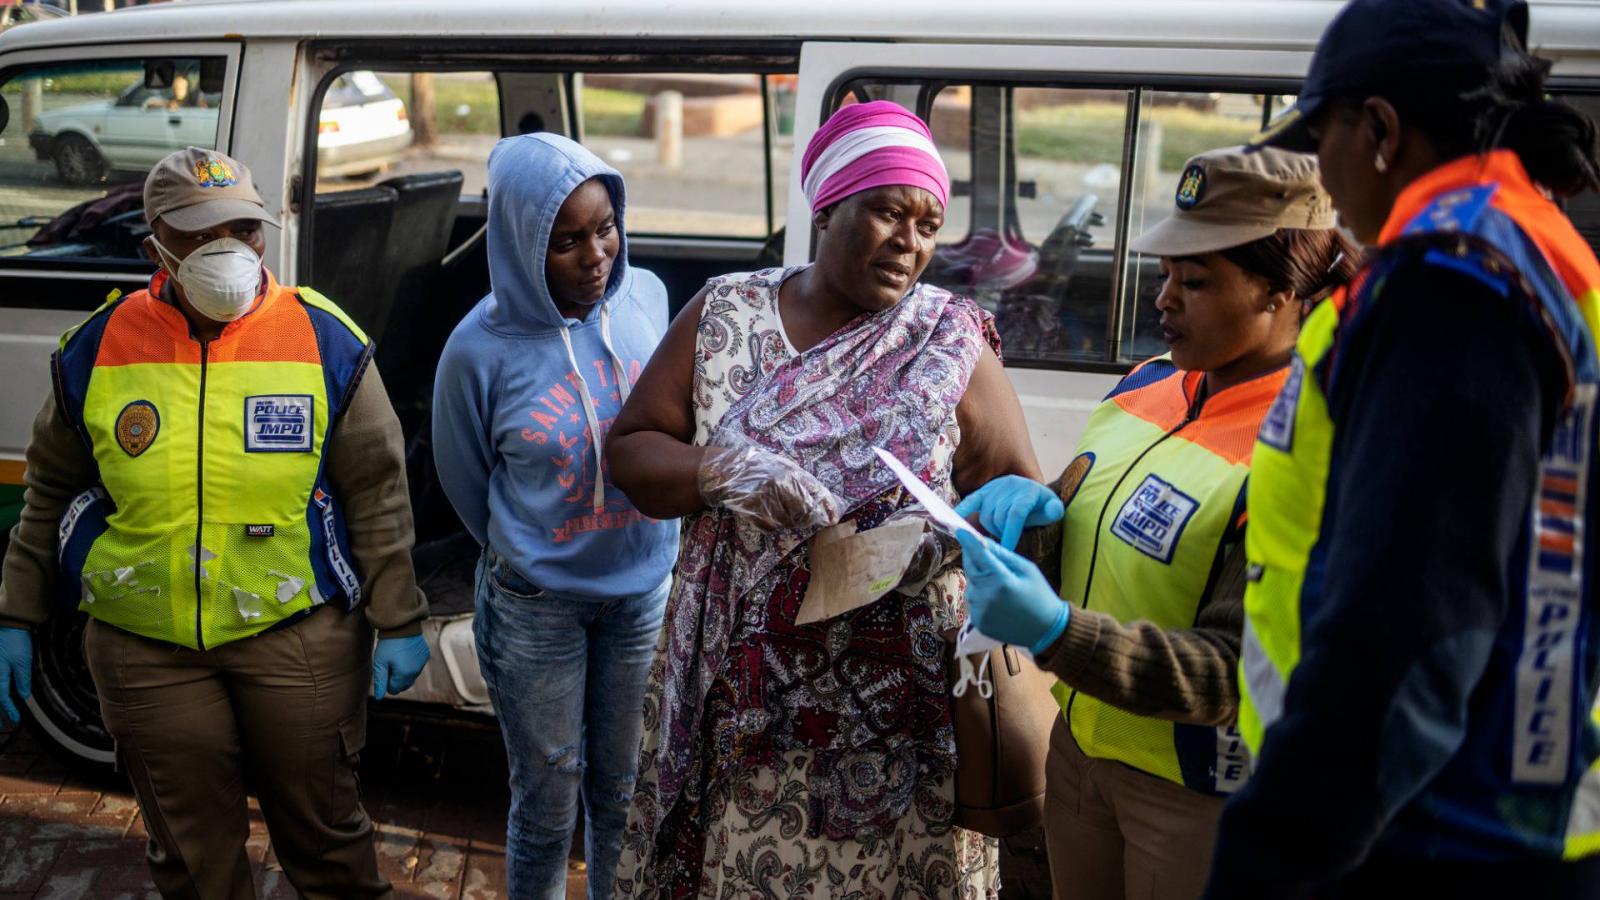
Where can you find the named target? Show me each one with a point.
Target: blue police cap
(1374, 44)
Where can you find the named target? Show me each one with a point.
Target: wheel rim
(77, 161)
(64, 699)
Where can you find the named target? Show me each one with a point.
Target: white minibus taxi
(367, 124)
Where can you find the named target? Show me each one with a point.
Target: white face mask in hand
(220, 279)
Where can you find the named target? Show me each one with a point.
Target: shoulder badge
(1191, 188)
(1072, 477)
(137, 426)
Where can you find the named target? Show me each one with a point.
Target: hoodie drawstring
(618, 368)
(623, 387)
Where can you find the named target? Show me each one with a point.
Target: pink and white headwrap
(870, 145)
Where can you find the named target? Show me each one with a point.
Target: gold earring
(1381, 164)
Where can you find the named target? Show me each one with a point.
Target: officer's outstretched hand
(1008, 596)
(396, 664)
(1009, 504)
(16, 670)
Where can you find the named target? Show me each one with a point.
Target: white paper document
(940, 510)
(970, 640)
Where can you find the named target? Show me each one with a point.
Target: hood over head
(530, 177)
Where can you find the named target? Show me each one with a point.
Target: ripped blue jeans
(566, 676)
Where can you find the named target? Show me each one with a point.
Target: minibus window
(378, 125)
(1173, 126)
(79, 141)
(1031, 230)
(1046, 183)
(692, 147)
(397, 153)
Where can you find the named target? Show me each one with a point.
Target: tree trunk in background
(422, 112)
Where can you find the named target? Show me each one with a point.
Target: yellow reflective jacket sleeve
(1434, 464)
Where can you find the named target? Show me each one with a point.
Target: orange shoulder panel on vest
(279, 330)
(1231, 419)
(1518, 197)
(1163, 402)
(143, 329)
(1228, 421)
(1551, 231)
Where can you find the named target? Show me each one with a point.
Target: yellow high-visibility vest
(1160, 505)
(213, 519)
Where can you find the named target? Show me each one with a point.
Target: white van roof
(1561, 27)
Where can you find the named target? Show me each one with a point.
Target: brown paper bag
(850, 569)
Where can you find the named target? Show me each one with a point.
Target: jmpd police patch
(1153, 518)
(278, 423)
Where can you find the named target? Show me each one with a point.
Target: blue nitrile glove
(396, 664)
(1009, 504)
(1008, 597)
(16, 668)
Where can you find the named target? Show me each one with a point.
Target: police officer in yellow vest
(1421, 653)
(220, 479)
(1148, 555)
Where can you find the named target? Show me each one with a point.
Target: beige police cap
(1230, 197)
(195, 189)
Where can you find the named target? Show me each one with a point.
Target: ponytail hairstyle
(1469, 114)
(1311, 263)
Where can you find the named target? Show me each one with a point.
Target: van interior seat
(350, 232)
(424, 217)
(412, 336)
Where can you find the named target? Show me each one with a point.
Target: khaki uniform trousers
(1115, 833)
(285, 711)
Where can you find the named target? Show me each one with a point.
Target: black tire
(63, 710)
(77, 160)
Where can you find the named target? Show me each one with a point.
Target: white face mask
(220, 279)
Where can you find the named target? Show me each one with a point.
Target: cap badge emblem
(213, 172)
(137, 425)
(1191, 188)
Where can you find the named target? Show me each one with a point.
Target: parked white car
(363, 125)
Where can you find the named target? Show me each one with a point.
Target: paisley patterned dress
(809, 761)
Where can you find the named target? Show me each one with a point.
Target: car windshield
(355, 89)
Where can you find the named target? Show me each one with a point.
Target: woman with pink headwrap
(816, 759)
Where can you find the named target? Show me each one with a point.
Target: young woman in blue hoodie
(573, 579)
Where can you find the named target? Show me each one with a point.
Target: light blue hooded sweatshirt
(524, 396)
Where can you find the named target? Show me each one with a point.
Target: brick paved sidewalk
(437, 792)
(437, 795)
